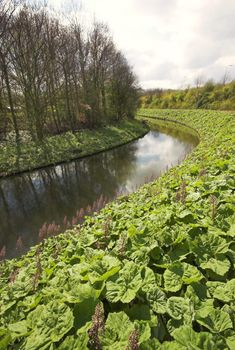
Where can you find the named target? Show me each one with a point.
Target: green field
(52, 150)
(153, 270)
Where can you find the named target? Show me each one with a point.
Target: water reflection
(57, 193)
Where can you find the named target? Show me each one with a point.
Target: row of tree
(57, 76)
(208, 96)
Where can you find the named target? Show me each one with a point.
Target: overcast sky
(170, 42)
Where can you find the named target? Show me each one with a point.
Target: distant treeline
(57, 76)
(209, 96)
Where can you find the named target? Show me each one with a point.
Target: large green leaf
(225, 292)
(196, 291)
(23, 285)
(5, 338)
(173, 324)
(180, 308)
(103, 269)
(218, 266)
(173, 279)
(230, 341)
(179, 252)
(149, 279)
(6, 304)
(84, 311)
(180, 273)
(151, 344)
(18, 329)
(29, 302)
(191, 274)
(208, 246)
(49, 323)
(75, 293)
(211, 287)
(75, 343)
(216, 321)
(193, 197)
(186, 216)
(231, 231)
(118, 328)
(138, 312)
(157, 299)
(189, 339)
(126, 286)
(143, 330)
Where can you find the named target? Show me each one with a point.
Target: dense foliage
(209, 96)
(56, 76)
(63, 148)
(153, 270)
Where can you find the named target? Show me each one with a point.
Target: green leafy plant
(164, 279)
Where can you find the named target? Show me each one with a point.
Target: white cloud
(169, 42)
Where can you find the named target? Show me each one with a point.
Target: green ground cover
(153, 270)
(65, 147)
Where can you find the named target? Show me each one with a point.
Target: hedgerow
(153, 270)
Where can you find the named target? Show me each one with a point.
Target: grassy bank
(208, 96)
(62, 148)
(153, 270)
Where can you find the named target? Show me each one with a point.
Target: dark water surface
(56, 194)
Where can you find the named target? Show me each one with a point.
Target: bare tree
(7, 10)
(29, 60)
(226, 76)
(56, 77)
(199, 81)
(124, 88)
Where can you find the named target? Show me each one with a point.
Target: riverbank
(66, 147)
(154, 268)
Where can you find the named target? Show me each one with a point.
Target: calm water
(57, 193)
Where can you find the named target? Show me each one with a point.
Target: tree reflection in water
(52, 198)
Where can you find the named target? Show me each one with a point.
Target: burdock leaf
(101, 270)
(220, 267)
(180, 273)
(225, 292)
(173, 278)
(49, 323)
(5, 338)
(179, 308)
(118, 328)
(157, 299)
(18, 329)
(75, 343)
(126, 286)
(190, 339)
(216, 321)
